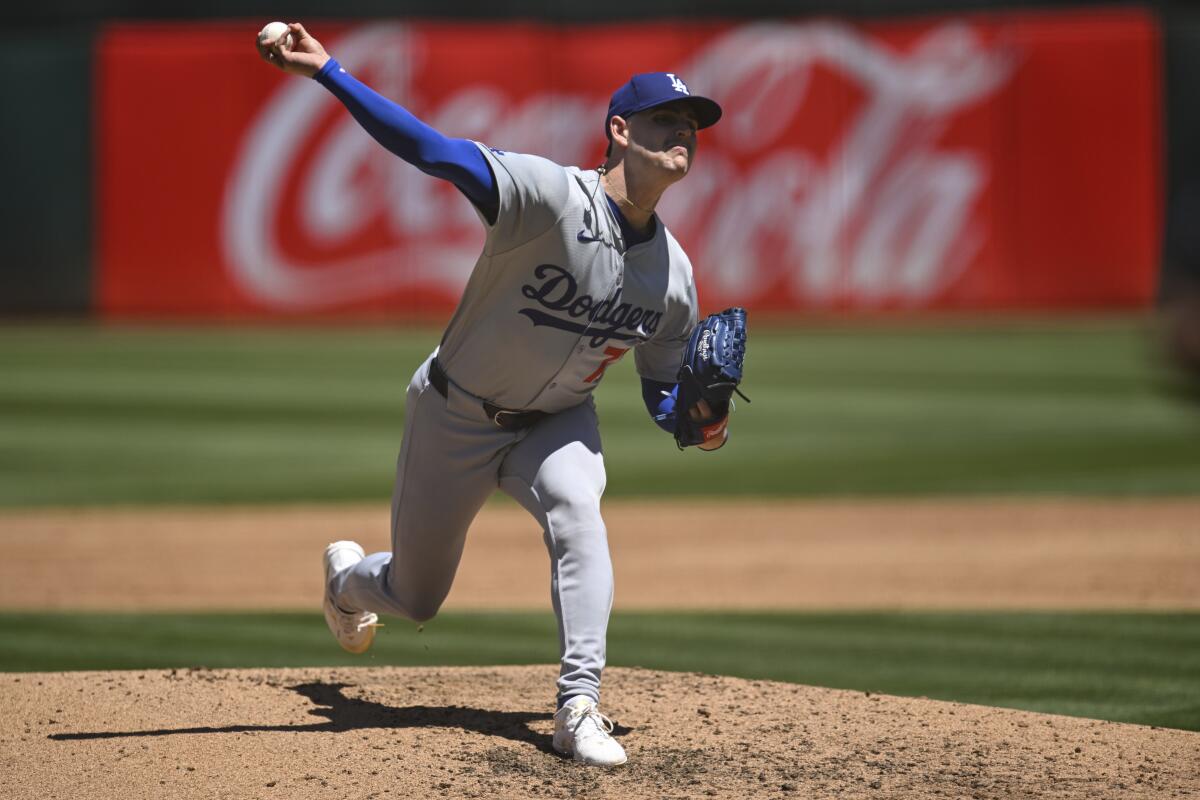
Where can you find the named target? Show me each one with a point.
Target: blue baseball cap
(650, 89)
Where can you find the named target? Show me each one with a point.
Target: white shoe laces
(603, 724)
(357, 622)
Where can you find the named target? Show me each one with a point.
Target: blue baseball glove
(711, 371)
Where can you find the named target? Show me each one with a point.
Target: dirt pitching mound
(471, 732)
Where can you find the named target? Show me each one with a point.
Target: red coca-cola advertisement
(1007, 161)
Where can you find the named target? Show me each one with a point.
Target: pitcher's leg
(557, 473)
(447, 468)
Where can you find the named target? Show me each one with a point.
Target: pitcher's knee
(424, 613)
(417, 603)
(419, 609)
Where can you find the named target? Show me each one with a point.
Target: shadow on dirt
(349, 714)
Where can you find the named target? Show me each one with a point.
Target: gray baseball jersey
(555, 298)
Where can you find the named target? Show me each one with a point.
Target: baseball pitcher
(576, 271)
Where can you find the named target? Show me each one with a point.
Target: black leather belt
(508, 420)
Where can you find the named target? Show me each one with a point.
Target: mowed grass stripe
(100, 415)
(1129, 667)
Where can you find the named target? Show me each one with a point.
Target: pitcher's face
(663, 139)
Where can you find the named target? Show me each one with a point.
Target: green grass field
(1125, 667)
(94, 415)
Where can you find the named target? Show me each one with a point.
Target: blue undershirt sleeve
(456, 160)
(660, 402)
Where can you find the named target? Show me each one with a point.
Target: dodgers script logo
(606, 319)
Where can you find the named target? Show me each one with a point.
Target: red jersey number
(611, 356)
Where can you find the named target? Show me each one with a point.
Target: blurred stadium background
(966, 233)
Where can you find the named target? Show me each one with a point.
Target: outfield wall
(1001, 160)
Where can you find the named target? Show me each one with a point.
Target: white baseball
(272, 31)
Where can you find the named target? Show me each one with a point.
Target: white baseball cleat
(582, 732)
(354, 630)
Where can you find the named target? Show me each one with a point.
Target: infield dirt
(1045, 553)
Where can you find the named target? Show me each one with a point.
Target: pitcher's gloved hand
(711, 371)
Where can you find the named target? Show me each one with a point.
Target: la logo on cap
(650, 89)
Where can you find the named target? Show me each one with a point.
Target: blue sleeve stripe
(456, 160)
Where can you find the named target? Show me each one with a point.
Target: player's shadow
(349, 714)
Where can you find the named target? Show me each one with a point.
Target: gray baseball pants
(451, 459)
